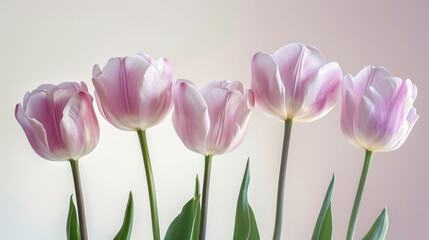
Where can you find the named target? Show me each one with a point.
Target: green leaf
(245, 223)
(187, 224)
(196, 227)
(127, 226)
(379, 229)
(72, 227)
(323, 228)
(326, 229)
(255, 233)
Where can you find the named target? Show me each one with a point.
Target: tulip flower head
(377, 109)
(212, 120)
(134, 92)
(295, 83)
(59, 121)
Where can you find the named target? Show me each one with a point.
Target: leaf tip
(197, 186)
(384, 213)
(248, 166)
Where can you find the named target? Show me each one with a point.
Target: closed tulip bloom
(377, 110)
(212, 120)
(295, 83)
(59, 121)
(134, 92)
(377, 115)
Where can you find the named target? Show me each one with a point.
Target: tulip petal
(116, 87)
(40, 106)
(321, 93)
(412, 118)
(155, 93)
(367, 77)
(398, 112)
(288, 59)
(365, 125)
(35, 133)
(229, 112)
(136, 67)
(238, 110)
(216, 100)
(233, 86)
(100, 90)
(73, 86)
(205, 90)
(190, 116)
(348, 111)
(297, 63)
(267, 86)
(79, 126)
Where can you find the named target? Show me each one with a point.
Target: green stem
(150, 184)
(282, 178)
(79, 198)
(353, 217)
(205, 199)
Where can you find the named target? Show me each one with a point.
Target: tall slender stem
(353, 217)
(150, 184)
(205, 200)
(79, 198)
(282, 178)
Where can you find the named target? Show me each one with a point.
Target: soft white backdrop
(47, 41)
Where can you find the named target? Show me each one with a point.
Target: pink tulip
(59, 121)
(212, 120)
(134, 93)
(377, 112)
(295, 83)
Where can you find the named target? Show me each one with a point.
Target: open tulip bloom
(295, 84)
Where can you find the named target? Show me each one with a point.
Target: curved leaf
(72, 227)
(323, 228)
(187, 224)
(378, 230)
(245, 223)
(127, 226)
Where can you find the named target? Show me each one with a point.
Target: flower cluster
(295, 84)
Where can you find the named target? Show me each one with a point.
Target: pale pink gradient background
(49, 41)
